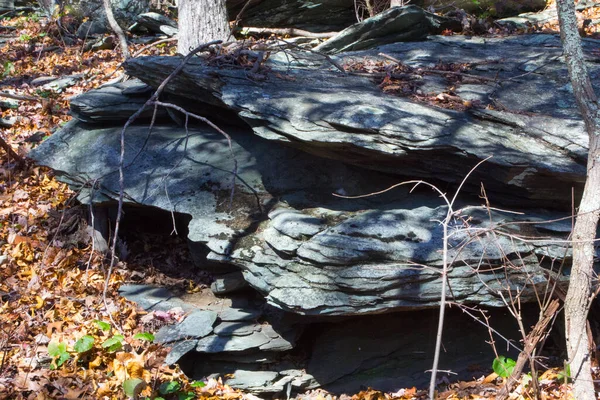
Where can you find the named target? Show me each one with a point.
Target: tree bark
(201, 21)
(579, 295)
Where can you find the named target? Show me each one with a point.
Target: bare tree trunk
(201, 21)
(114, 25)
(579, 295)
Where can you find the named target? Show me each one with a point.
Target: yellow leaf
(135, 370)
(23, 254)
(95, 363)
(490, 378)
(39, 302)
(119, 370)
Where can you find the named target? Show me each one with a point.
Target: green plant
(58, 351)
(34, 17)
(565, 374)
(84, 344)
(113, 343)
(9, 68)
(45, 94)
(144, 336)
(503, 366)
(25, 38)
(105, 326)
(133, 387)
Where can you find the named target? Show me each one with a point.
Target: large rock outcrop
(304, 249)
(318, 109)
(335, 15)
(268, 201)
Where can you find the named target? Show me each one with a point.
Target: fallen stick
(11, 153)
(19, 97)
(289, 32)
(140, 51)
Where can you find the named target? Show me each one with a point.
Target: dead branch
(114, 25)
(151, 101)
(23, 97)
(238, 18)
(11, 153)
(327, 57)
(146, 47)
(287, 32)
(438, 72)
(481, 78)
(533, 338)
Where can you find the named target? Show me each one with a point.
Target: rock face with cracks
(305, 249)
(318, 109)
(270, 205)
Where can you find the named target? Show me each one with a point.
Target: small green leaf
(105, 326)
(58, 349)
(86, 343)
(148, 337)
(113, 343)
(503, 366)
(197, 384)
(133, 387)
(564, 374)
(9, 68)
(169, 387)
(186, 396)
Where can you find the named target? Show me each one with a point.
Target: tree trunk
(579, 295)
(201, 21)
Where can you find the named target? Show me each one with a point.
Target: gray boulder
(114, 103)
(397, 24)
(125, 11)
(305, 250)
(317, 109)
(315, 16)
(157, 23)
(196, 325)
(7, 5)
(335, 15)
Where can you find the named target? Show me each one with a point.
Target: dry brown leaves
(50, 283)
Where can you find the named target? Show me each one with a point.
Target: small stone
(42, 80)
(58, 85)
(217, 344)
(229, 283)
(236, 328)
(239, 314)
(179, 350)
(253, 381)
(198, 324)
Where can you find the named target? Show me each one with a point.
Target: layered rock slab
(247, 338)
(538, 142)
(306, 250)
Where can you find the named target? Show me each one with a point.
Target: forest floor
(58, 338)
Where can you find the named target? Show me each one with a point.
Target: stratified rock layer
(305, 249)
(320, 110)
